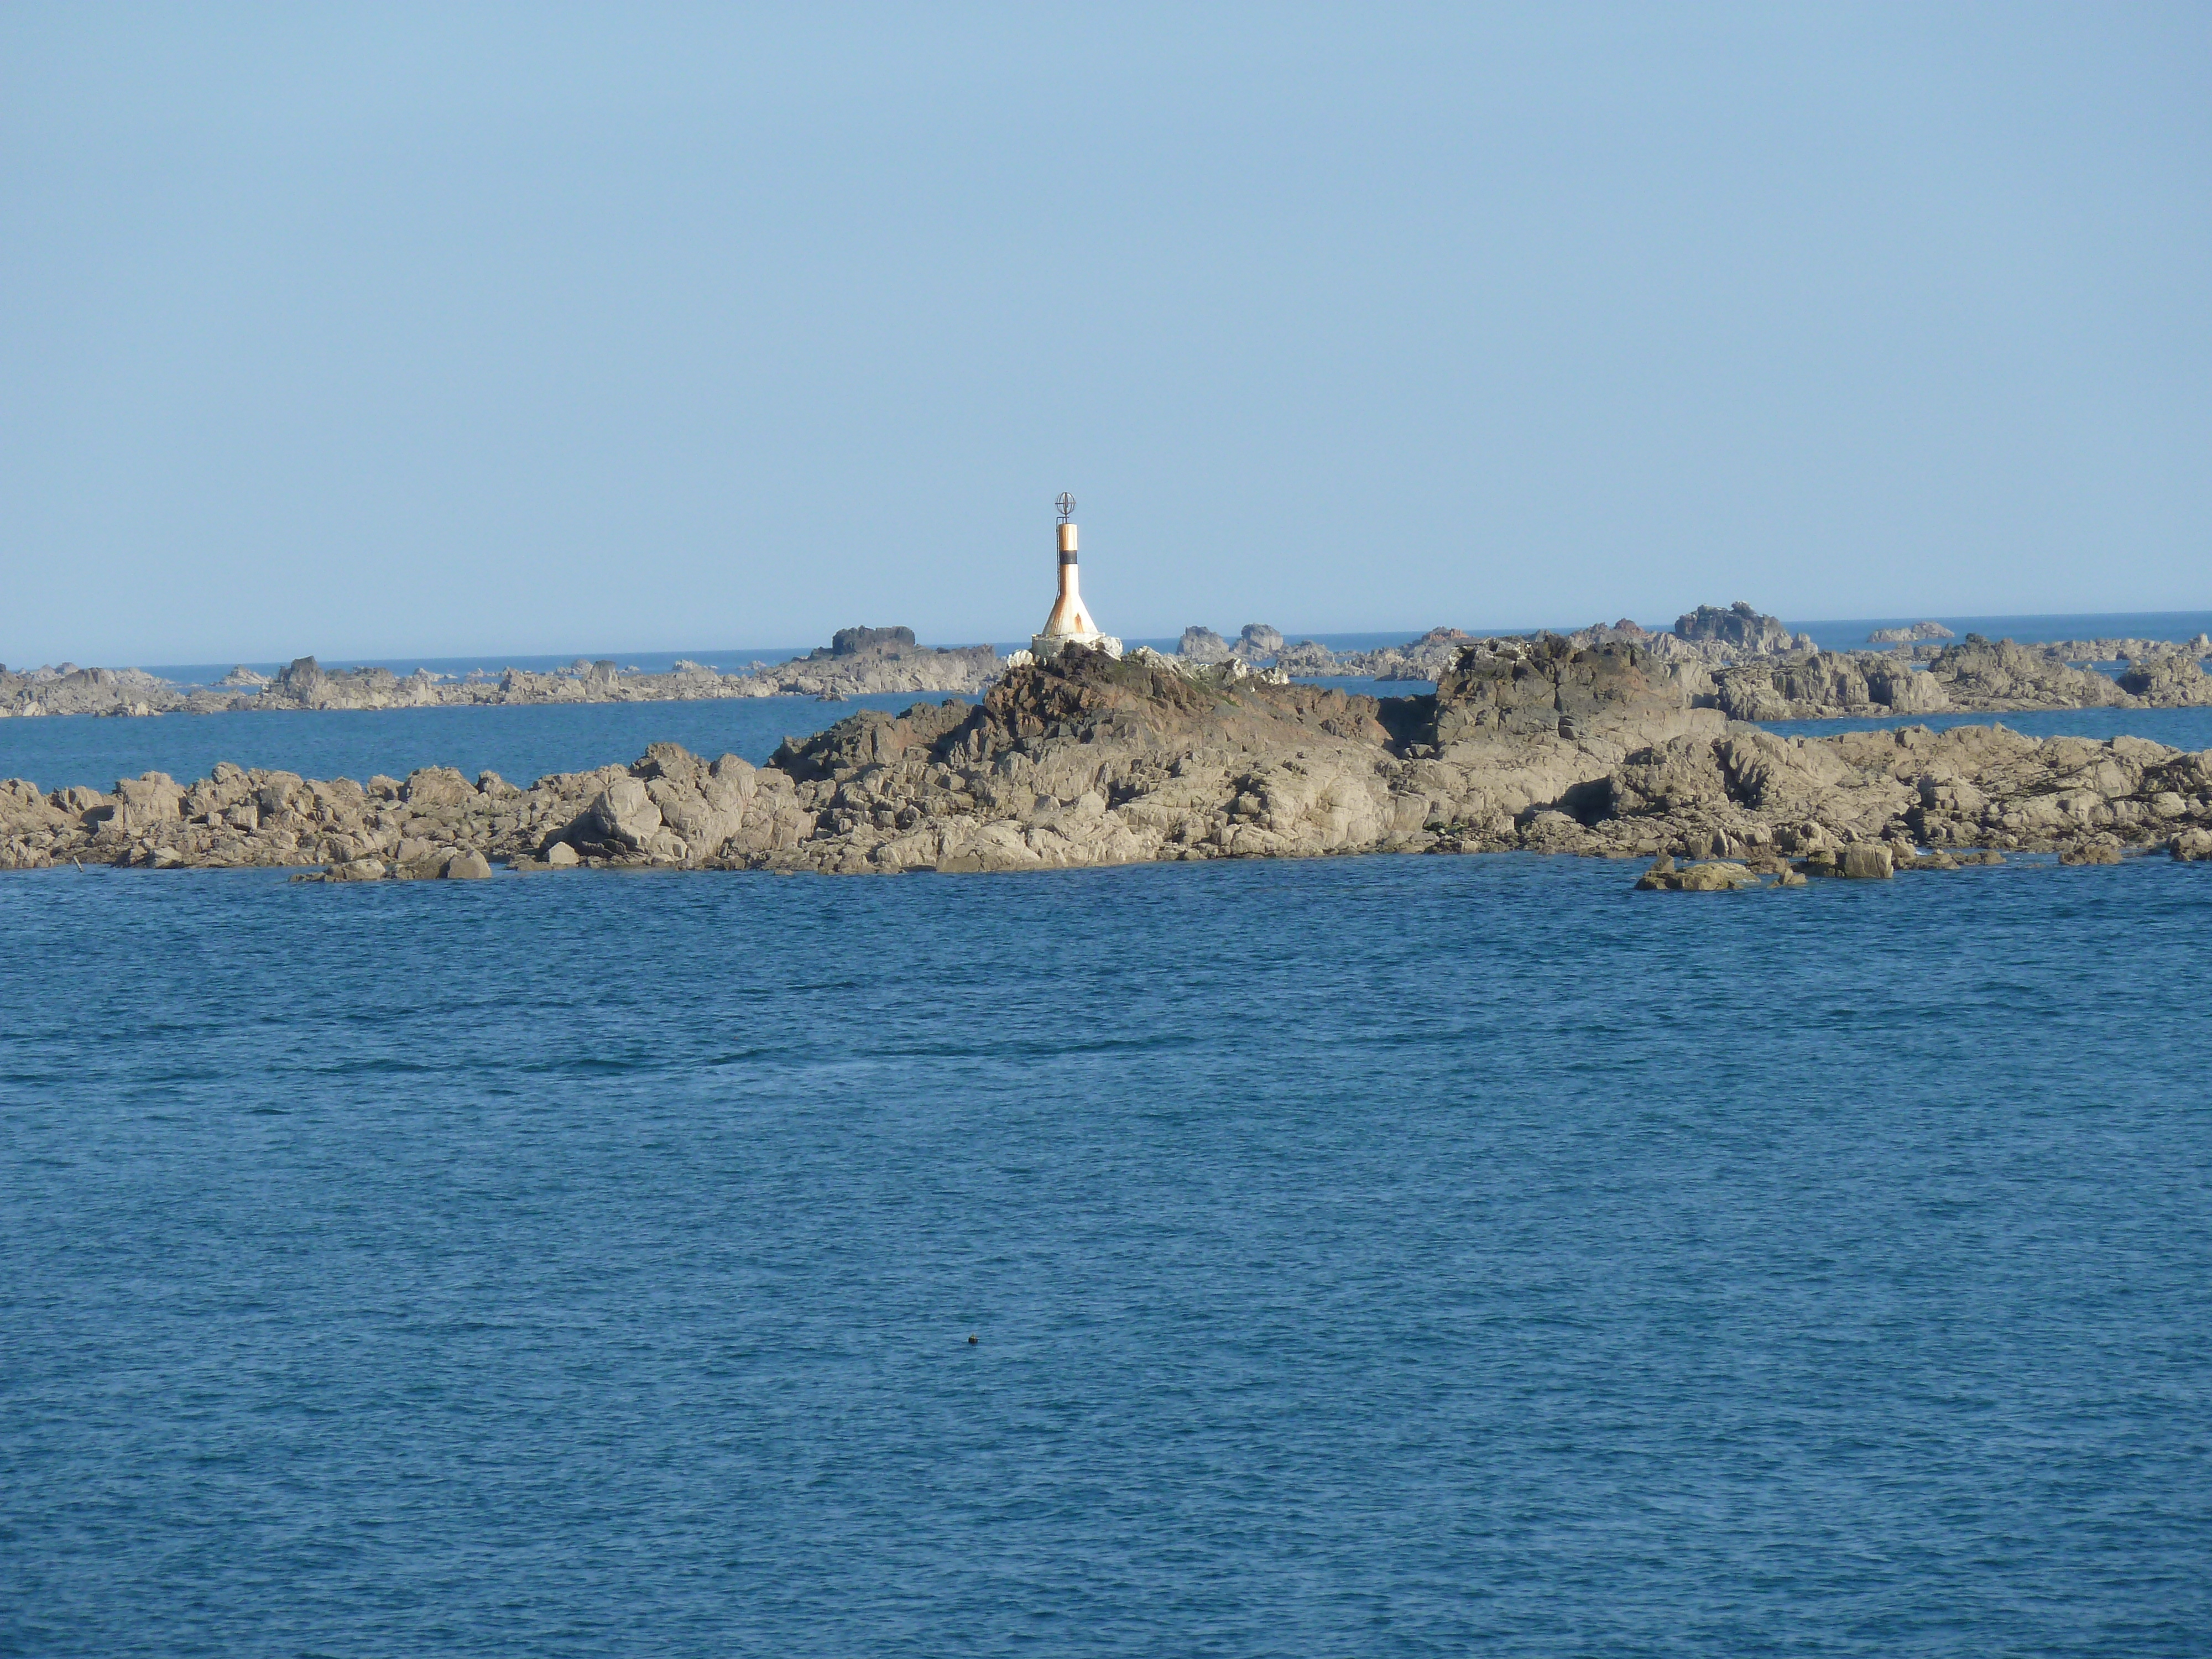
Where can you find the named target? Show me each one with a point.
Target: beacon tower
(1070, 622)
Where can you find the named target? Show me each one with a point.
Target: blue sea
(1363, 1256)
(521, 744)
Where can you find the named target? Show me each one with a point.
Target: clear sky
(379, 330)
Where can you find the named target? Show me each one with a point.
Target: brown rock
(1866, 861)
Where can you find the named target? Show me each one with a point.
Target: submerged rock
(1706, 876)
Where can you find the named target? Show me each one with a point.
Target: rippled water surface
(2179, 728)
(521, 744)
(1364, 1256)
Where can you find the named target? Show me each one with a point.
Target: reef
(857, 662)
(1546, 746)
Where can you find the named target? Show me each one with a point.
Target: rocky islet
(1546, 746)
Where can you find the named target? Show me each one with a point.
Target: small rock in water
(1866, 861)
(1711, 875)
(470, 865)
(2103, 850)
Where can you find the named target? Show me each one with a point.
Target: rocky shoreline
(1547, 746)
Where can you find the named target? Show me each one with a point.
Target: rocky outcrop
(1202, 645)
(1976, 675)
(1547, 684)
(858, 641)
(70, 689)
(1739, 626)
(2128, 649)
(1718, 637)
(1422, 659)
(1912, 635)
(1706, 876)
(1547, 747)
(1258, 642)
(2167, 680)
(1823, 684)
(1999, 675)
(305, 684)
(863, 661)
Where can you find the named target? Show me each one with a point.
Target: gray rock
(1866, 861)
(1202, 645)
(2171, 680)
(438, 786)
(2191, 846)
(470, 865)
(852, 642)
(146, 802)
(1257, 643)
(623, 814)
(1981, 673)
(1738, 625)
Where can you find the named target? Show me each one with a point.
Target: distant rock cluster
(1739, 627)
(858, 661)
(1734, 658)
(1752, 667)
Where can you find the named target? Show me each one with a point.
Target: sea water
(521, 744)
(1370, 1255)
(1361, 1256)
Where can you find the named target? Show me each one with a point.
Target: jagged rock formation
(1202, 645)
(1826, 683)
(2170, 680)
(1258, 642)
(1718, 637)
(2129, 649)
(1422, 659)
(1999, 675)
(868, 661)
(1915, 632)
(305, 684)
(1548, 747)
(1739, 626)
(70, 689)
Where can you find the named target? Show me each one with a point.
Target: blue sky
(382, 330)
